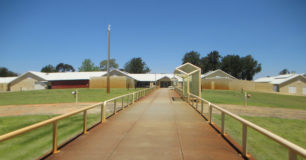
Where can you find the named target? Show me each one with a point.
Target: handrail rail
(293, 148)
(54, 120)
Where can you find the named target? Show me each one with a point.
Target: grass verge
(257, 99)
(260, 146)
(39, 141)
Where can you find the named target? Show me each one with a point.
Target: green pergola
(191, 76)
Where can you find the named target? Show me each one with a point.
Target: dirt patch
(31, 109)
(265, 111)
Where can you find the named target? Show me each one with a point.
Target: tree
(4, 72)
(192, 57)
(88, 65)
(61, 67)
(284, 71)
(112, 64)
(136, 65)
(210, 62)
(249, 67)
(48, 68)
(232, 65)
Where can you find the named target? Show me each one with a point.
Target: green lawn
(59, 96)
(257, 99)
(38, 142)
(260, 146)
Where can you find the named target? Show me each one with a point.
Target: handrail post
(54, 150)
(192, 102)
(115, 106)
(244, 139)
(222, 122)
(122, 103)
(84, 122)
(210, 112)
(128, 100)
(197, 104)
(103, 105)
(202, 107)
(292, 155)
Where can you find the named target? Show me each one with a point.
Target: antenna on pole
(108, 57)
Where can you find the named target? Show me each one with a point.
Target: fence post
(55, 138)
(222, 122)
(197, 104)
(133, 98)
(103, 112)
(84, 122)
(210, 112)
(292, 155)
(244, 139)
(192, 102)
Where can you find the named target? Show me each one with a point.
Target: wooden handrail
(293, 148)
(54, 120)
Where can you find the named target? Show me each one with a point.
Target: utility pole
(108, 57)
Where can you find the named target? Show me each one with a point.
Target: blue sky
(34, 33)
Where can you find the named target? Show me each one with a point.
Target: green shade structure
(191, 76)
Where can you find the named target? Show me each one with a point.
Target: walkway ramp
(153, 128)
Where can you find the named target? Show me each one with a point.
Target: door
(304, 90)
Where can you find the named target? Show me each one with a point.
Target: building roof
(147, 77)
(59, 76)
(278, 79)
(7, 79)
(153, 77)
(218, 70)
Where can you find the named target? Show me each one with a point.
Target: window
(292, 90)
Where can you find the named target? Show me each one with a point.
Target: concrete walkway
(153, 128)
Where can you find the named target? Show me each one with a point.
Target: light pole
(108, 57)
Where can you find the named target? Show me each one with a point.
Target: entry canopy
(191, 75)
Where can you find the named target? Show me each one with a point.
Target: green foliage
(4, 72)
(192, 57)
(257, 99)
(88, 65)
(239, 67)
(284, 71)
(136, 65)
(59, 96)
(48, 69)
(61, 67)
(231, 64)
(211, 62)
(249, 67)
(112, 64)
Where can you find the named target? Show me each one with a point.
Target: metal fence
(195, 101)
(119, 103)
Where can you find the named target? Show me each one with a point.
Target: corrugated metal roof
(151, 77)
(68, 75)
(7, 79)
(278, 79)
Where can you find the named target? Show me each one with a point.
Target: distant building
(217, 74)
(38, 80)
(294, 84)
(4, 82)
